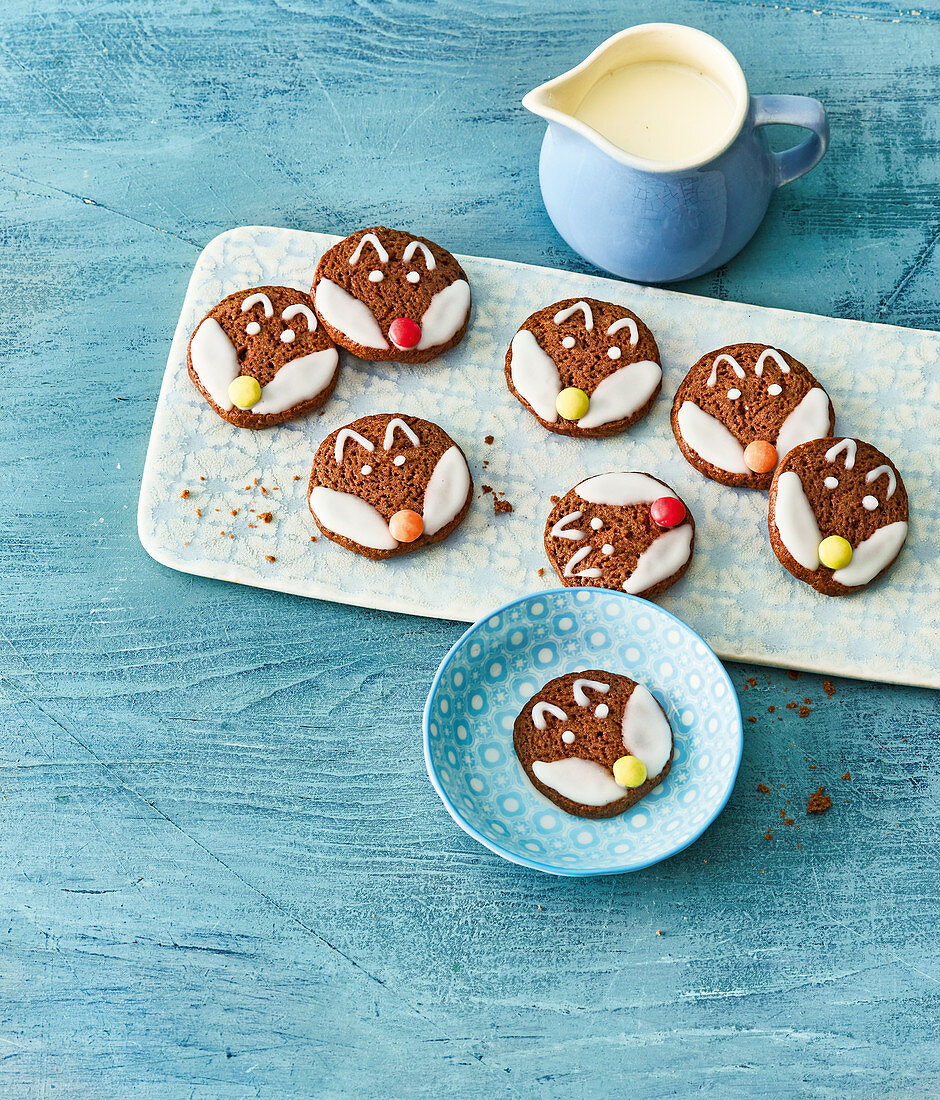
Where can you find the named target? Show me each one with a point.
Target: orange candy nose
(760, 456)
(406, 526)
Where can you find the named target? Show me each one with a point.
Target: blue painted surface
(223, 871)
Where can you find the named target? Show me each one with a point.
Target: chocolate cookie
(838, 514)
(584, 367)
(386, 294)
(259, 357)
(620, 530)
(388, 484)
(741, 408)
(593, 742)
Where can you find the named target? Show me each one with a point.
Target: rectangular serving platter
(883, 385)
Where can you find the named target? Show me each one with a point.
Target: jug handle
(794, 110)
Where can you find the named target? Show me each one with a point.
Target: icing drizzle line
(878, 471)
(561, 531)
(564, 314)
(713, 377)
(541, 709)
(576, 557)
(578, 688)
(349, 433)
(413, 247)
(376, 244)
(294, 311)
(847, 445)
(771, 353)
(397, 422)
(253, 299)
(625, 322)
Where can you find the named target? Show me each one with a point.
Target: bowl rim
(527, 861)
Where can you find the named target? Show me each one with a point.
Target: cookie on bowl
(388, 484)
(259, 357)
(583, 367)
(386, 294)
(742, 407)
(838, 514)
(594, 742)
(622, 530)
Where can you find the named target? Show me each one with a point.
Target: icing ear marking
(413, 247)
(254, 299)
(349, 433)
(625, 322)
(376, 244)
(771, 353)
(579, 695)
(738, 369)
(561, 530)
(287, 336)
(883, 471)
(398, 423)
(541, 709)
(564, 314)
(577, 557)
(847, 445)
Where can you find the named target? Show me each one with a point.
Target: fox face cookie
(838, 514)
(386, 294)
(594, 742)
(259, 357)
(583, 367)
(388, 484)
(627, 531)
(741, 408)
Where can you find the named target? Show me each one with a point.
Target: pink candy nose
(404, 333)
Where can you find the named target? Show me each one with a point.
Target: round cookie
(838, 514)
(388, 484)
(603, 534)
(260, 358)
(386, 294)
(593, 742)
(742, 407)
(584, 367)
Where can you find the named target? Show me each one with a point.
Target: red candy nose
(667, 512)
(404, 333)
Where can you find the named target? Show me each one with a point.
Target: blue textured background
(223, 872)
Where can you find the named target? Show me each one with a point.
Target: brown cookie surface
(268, 334)
(746, 394)
(602, 534)
(386, 294)
(570, 735)
(602, 349)
(388, 484)
(838, 487)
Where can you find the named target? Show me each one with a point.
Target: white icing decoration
(597, 523)
(297, 381)
(646, 732)
(413, 277)
(564, 314)
(831, 483)
(376, 244)
(583, 781)
(254, 299)
(446, 314)
(850, 448)
(560, 530)
(376, 276)
(621, 489)
(399, 424)
(287, 336)
(734, 394)
(579, 694)
(873, 555)
(771, 353)
(349, 433)
(398, 460)
(613, 353)
(252, 328)
(351, 517)
(620, 394)
(774, 390)
(713, 377)
(883, 471)
(348, 315)
(568, 737)
(568, 342)
(710, 439)
(664, 557)
(795, 522)
(541, 709)
(607, 548)
(447, 490)
(534, 375)
(215, 361)
(625, 322)
(367, 470)
(576, 558)
(602, 710)
(413, 247)
(809, 420)
(301, 310)
(869, 503)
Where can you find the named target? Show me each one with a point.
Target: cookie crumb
(829, 688)
(234, 511)
(269, 557)
(296, 477)
(659, 931)
(184, 495)
(792, 705)
(501, 507)
(486, 488)
(848, 775)
(771, 710)
(762, 788)
(793, 675)
(554, 499)
(541, 573)
(804, 711)
(818, 802)
(199, 512)
(751, 718)
(752, 681)
(265, 517)
(202, 479)
(768, 835)
(487, 439)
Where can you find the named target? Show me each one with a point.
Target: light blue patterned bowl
(505, 658)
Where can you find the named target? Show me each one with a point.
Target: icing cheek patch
(446, 315)
(348, 316)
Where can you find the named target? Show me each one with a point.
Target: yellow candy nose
(835, 552)
(629, 771)
(244, 392)
(572, 403)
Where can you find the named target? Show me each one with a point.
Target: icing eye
(774, 389)
(870, 503)
(607, 549)
(602, 710)
(734, 394)
(376, 276)
(287, 336)
(413, 277)
(252, 328)
(613, 353)
(568, 342)
(399, 460)
(831, 482)
(596, 523)
(367, 470)
(567, 737)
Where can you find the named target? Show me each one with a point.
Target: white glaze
(613, 353)
(254, 299)
(297, 381)
(348, 315)
(710, 439)
(580, 697)
(413, 247)
(568, 342)
(661, 559)
(561, 530)
(288, 336)
(869, 503)
(351, 517)
(576, 558)
(771, 353)
(367, 470)
(296, 311)
(215, 361)
(568, 737)
(372, 239)
(564, 314)
(883, 471)
(734, 394)
(349, 433)
(413, 277)
(625, 322)
(809, 420)
(738, 369)
(620, 489)
(541, 709)
(831, 482)
(850, 448)
(376, 276)
(397, 424)
(597, 523)
(607, 548)
(646, 732)
(398, 460)
(601, 710)
(446, 315)
(620, 394)
(583, 781)
(775, 390)
(252, 328)
(872, 555)
(795, 522)
(447, 490)
(534, 375)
